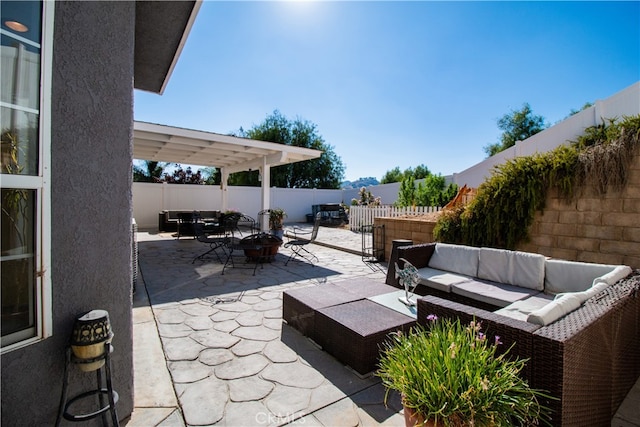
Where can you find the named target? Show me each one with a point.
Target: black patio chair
(298, 243)
(187, 222)
(216, 237)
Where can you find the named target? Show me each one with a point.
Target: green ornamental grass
(450, 373)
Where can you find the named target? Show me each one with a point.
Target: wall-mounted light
(16, 26)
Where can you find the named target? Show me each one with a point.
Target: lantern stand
(90, 350)
(109, 392)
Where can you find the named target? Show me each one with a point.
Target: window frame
(41, 183)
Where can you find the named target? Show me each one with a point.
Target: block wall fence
(590, 228)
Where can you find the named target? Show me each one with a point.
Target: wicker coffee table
(354, 332)
(299, 305)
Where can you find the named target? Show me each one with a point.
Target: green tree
(210, 175)
(407, 192)
(584, 107)
(393, 175)
(327, 171)
(434, 191)
(516, 126)
(149, 171)
(421, 172)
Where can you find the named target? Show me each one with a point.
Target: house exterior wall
(92, 128)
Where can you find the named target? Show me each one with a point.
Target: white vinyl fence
(364, 215)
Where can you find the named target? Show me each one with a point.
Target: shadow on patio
(230, 359)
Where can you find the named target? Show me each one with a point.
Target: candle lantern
(90, 334)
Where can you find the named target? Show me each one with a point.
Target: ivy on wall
(505, 204)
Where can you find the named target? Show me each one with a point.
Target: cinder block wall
(591, 228)
(404, 228)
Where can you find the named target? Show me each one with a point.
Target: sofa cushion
(520, 310)
(455, 258)
(557, 308)
(439, 279)
(512, 267)
(498, 294)
(603, 282)
(572, 276)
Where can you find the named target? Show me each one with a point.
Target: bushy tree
(516, 126)
(149, 171)
(395, 175)
(184, 176)
(327, 171)
(433, 191)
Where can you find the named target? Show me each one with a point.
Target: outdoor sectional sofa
(578, 324)
(168, 219)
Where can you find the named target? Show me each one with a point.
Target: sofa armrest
(418, 255)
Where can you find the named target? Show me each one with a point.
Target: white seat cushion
(497, 294)
(572, 276)
(520, 310)
(517, 268)
(439, 279)
(557, 308)
(455, 258)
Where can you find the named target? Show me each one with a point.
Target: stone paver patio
(230, 359)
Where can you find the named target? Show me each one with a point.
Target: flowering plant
(449, 374)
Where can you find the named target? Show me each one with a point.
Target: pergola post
(224, 176)
(265, 171)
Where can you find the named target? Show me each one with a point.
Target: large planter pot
(413, 419)
(266, 246)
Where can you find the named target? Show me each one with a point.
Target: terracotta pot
(413, 419)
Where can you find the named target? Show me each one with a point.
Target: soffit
(161, 30)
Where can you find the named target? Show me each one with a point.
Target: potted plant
(276, 221)
(449, 374)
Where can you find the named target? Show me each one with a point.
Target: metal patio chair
(216, 237)
(298, 243)
(187, 222)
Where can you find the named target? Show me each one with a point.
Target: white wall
(149, 199)
(623, 103)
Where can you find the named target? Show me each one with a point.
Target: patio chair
(187, 222)
(216, 237)
(246, 224)
(298, 243)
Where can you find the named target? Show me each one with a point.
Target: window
(25, 73)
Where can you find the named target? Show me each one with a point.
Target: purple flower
(432, 317)
(498, 340)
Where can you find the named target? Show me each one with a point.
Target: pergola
(229, 154)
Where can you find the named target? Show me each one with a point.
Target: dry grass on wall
(593, 227)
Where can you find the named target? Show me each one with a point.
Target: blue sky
(397, 83)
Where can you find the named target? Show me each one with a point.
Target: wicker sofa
(587, 358)
(168, 219)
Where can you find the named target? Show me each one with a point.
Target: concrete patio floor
(212, 349)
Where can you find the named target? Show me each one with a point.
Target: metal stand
(372, 243)
(108, 392)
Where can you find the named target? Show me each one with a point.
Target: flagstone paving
(231, 359)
